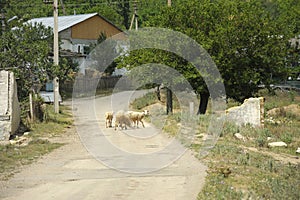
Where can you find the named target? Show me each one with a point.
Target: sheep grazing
(137, 117)
(108, 119)
(122, 120)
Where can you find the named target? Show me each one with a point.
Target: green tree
(248, 46)
(25, 51)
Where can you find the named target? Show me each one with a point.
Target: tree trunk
(169, 102)
(158, 93)
(203, 103)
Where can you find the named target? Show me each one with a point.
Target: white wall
(10, 107)
(250, 112)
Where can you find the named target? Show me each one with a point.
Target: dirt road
(71, 172)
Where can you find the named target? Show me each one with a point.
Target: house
(77, 32)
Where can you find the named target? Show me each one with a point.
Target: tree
(25, 51)
(248, 46)
(122, 7)
(102, 53)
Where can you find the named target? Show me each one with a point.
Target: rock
(298, 150)
(201, 135)
(26, 133)
(277, 144)
(22, 141)
(225, 171)
(13, 142)
(239, 136)
(269, 138)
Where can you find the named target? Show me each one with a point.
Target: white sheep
(122, 120)
(108, 119)
(137, 117)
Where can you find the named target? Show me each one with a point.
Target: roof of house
(65, 22)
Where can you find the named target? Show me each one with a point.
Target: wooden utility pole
(134, 17)
(169, 3)
(55, 52)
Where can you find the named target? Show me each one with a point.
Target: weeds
(148, 99)
(14, 156)
(254, 174)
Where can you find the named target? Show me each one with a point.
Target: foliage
(146, 100)
(257, 172)
(248, 45)
(241, 37)
(12, 157)
(24, 50)
(103, 53)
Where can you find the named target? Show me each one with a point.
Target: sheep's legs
(142, 123)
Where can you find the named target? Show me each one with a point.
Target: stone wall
(250, 112)
(9, 105)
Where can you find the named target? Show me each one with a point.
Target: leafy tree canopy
(248, 44)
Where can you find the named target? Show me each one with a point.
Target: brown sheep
(137, 117)
(108, 119)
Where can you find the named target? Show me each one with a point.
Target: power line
(70, 5)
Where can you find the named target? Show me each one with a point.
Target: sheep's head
(146, 112)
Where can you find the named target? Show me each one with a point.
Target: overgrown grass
(262, 174)
(144, 101)
(255, 173)
(279, 98)
(14, 156)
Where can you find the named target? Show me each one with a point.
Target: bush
(146, 100)
(263, 135)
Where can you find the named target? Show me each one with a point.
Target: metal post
(55, 52)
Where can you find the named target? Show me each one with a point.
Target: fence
(85, 85)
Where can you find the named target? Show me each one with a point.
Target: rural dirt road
(75, 171)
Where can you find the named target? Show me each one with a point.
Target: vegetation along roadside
(39, 139)
(247, 168)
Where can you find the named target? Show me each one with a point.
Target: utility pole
(169, 3)
(134, 17)
(55, 52)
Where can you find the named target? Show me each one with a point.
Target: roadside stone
(298, 150)
(26, 133)
(239, 137)
(21, 141)
(13, 142)
(201, 135)
(277, 144)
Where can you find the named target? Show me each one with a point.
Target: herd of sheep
(125, 119)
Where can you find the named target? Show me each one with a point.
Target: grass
(146, 100)
(12, 157)
(257, 172)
